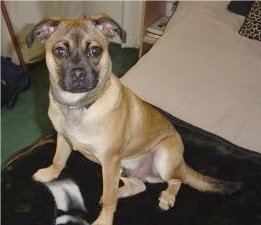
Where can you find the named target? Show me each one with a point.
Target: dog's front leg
(62, 153)
(111, 176)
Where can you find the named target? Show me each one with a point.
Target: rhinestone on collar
(81, 108)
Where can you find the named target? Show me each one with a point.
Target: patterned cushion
(251, 27)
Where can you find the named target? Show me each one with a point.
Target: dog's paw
(166, 201)
(46, 174)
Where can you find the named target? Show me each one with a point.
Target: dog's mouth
(79, 80)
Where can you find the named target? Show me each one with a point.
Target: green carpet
(27, 121)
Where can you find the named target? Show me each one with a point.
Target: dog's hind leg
(169, 163)
(167, 198)
(132, 186)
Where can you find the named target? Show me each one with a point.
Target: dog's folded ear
(108, 26)
(42, 30)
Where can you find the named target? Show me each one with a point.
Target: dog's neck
(68, 106)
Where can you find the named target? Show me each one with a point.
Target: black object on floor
(13, 81)
(25, 201)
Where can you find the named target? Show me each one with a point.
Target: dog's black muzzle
(79, 79)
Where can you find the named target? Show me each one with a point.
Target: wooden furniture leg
(13, 36)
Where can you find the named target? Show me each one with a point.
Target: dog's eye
(60, 52)
(94, 51)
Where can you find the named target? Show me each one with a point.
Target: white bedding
(203, 72)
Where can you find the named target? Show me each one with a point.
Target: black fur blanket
(27, 202)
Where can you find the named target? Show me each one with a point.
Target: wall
(132, 21)
(22, 13)
(112, 8)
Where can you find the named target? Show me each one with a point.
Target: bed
(204, 72)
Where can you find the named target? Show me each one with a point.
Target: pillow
(240, 7)
(251, 27)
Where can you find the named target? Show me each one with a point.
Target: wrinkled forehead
(77, 32)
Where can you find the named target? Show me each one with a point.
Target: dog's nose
(78, 74)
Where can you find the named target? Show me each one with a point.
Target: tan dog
(96, 115)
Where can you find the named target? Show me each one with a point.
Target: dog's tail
(208, 184)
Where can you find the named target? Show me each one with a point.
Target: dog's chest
(84, 133)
